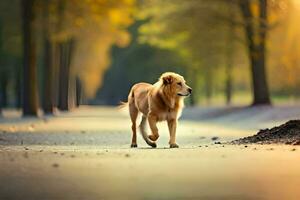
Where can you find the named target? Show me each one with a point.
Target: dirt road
(85, 155)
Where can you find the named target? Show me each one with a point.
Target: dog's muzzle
(185, 95)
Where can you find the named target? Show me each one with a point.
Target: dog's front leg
(172, 124)
(152, 123)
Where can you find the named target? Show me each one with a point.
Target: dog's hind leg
(133, 116)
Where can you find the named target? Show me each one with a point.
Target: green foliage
(135, 63)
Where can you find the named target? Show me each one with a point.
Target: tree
(11, 48)
(2, 90)
(48, 94)
(256, 23)
(78, 92)
(229, 57)
(64, 75)
(64, 49)
(256, 29)
(30, 92)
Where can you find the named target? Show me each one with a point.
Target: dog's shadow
(147, 148)
(160, 148)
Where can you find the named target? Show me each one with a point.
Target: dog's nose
(190, 90)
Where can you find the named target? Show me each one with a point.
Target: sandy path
(85, 155)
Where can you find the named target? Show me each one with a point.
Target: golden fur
(162, 101)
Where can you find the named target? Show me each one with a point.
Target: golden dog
(158, 102)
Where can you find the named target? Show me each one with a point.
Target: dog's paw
(153, 145)
(133, 146)
(174, 145)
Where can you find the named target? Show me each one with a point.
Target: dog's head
(176, 84)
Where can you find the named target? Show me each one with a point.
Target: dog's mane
(168, 97)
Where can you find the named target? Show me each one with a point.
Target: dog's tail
(122, 105)
(144, 133)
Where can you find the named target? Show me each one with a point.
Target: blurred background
(58, 54)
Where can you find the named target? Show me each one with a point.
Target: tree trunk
(208, 85)
(228, 73)
(63, 71)
(48, 100)
(63, 95)
(18, 88)
(3, 91)
(30, 90)
(1, 44)
(72, 91)
(64, 75)
(228, 85)
(56, 69)
(257, 50)
(259, 79)
(229, 60)
(78, 92)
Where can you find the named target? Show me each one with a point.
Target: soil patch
(288, 133)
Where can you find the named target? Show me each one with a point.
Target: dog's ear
(167, 79)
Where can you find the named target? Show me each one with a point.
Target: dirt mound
(288, 133)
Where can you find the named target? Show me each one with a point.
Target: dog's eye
(180, 84)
